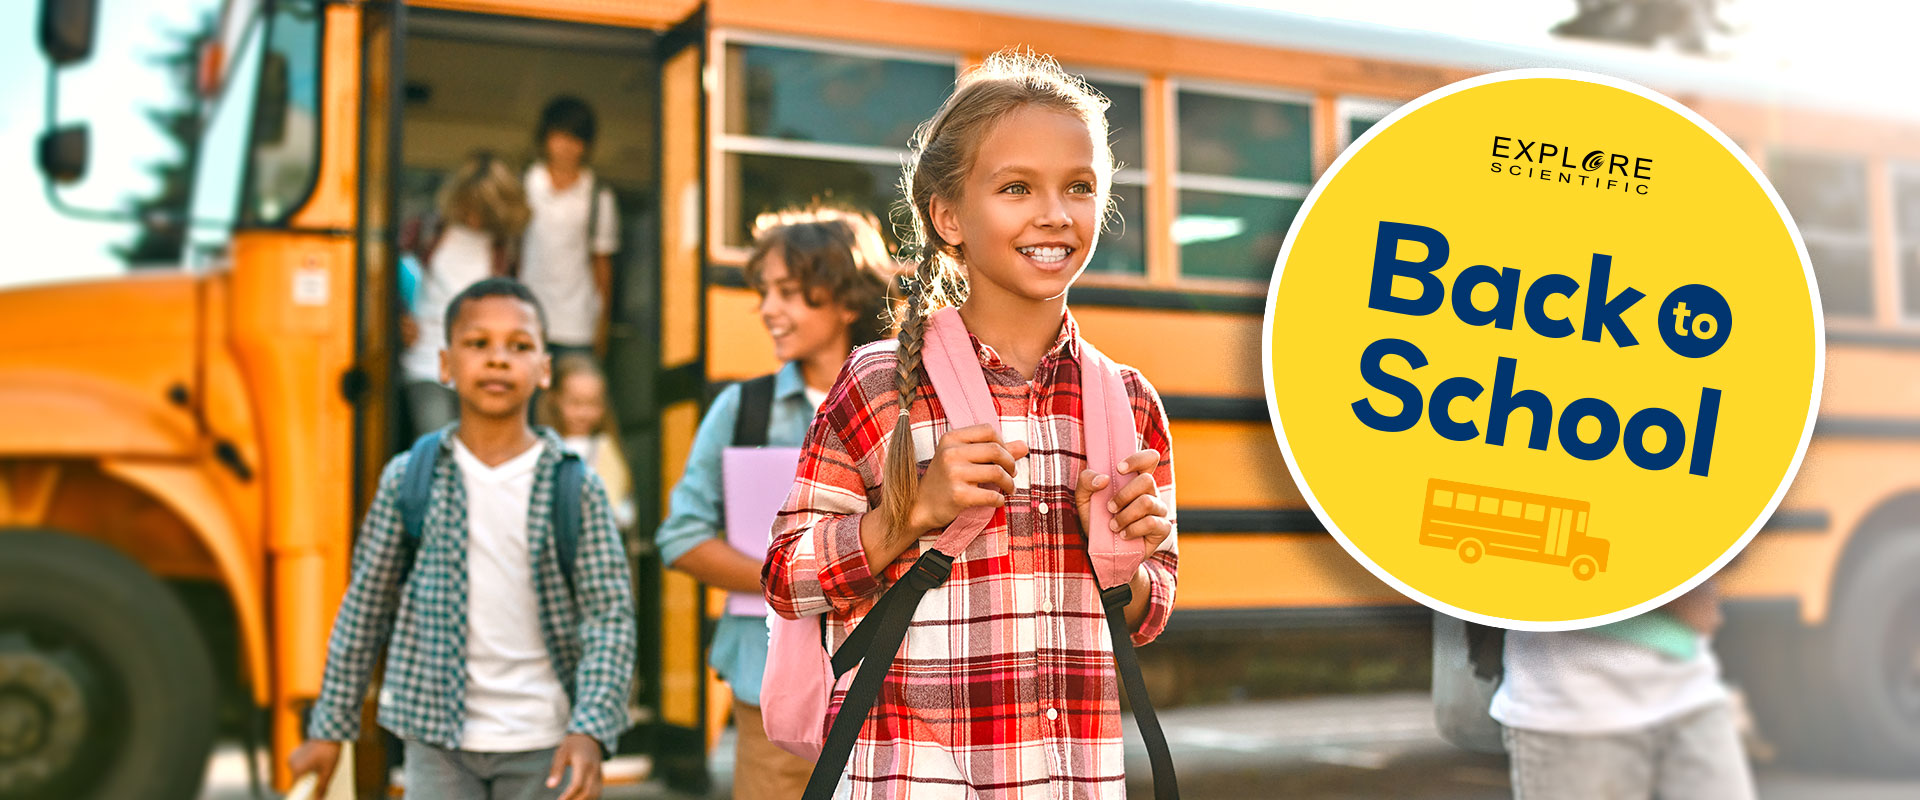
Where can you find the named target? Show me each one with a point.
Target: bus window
(1510, 508)
(1464, 501)
(803, 122)
(1489, 505)
(1581, 526)
(1906, 236)
(1442, 498)
(1827, 196)
(1536, 512)
(1246, 163)
(1123, 245)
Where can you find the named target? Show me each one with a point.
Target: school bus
(193, 457)
(1475, 521)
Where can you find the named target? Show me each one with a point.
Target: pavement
(1331, 748)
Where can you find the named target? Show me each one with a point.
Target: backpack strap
(756, 412)
(416, 491)
(593, 212)
(1107, 423)
(567, 499)
(954, 370)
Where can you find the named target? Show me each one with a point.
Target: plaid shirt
(1005, 687)
(589, 634)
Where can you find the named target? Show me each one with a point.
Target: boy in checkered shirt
(507, 671)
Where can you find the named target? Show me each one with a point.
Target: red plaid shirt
(1005, 687)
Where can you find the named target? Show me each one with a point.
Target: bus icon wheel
(1470, 550)
(1584, 567)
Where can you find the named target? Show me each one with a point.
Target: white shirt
(1579, 682)
(463, 257)
(815, 397)
(554, 262)
(515, 702)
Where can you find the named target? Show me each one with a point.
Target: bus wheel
(106, 690)
(1584, 567)
(1867, 660)
(1471, 550)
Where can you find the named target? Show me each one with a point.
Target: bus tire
(1866, 661)
(1584, 568)
(112, 692)
(1471, 550)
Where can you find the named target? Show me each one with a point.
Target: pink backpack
(800, 677)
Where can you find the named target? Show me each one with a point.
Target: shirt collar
(789, 381)
(551, 446)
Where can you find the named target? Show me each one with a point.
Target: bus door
(642, 79)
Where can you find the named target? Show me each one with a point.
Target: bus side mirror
(63, 153)
(276, 90)
(66, 30)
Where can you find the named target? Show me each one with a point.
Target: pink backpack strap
(954, 368)
(1107, 419)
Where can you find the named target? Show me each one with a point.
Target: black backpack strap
(1165, 786)
(756, 412)
(1486, 651)
(593, 213)
(885, 628)
(416, 492)
(567, 524)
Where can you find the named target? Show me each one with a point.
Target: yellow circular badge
(1543, 349)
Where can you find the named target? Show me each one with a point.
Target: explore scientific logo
(1530, 159)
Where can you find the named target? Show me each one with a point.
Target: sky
(1862, 42)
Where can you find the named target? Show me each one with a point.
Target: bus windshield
(199, 115)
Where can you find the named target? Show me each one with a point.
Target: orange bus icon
(1480, 520)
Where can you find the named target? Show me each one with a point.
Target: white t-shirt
(554, 261)
(1579, 682)
(515, 702)
(815, 397)
(463, 257)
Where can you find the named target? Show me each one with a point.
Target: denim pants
(436, 774)
(1695, 756)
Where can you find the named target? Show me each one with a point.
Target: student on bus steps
(495, 581)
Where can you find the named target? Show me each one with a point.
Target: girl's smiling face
(1029, 209)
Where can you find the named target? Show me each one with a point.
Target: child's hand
(317, 756)
(582, 753)
(965, 463)
(1138, 512)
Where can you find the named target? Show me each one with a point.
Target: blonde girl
(482, 211)
(577, 408)
(1005, 686)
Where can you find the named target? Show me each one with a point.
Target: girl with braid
(1005, 686)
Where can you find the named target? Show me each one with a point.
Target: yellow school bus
(193, 457)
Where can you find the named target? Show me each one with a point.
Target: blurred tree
(1684, 25)
(162, 215)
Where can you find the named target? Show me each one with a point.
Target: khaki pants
(761, 770)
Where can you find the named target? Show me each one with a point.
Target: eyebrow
(1023, 171)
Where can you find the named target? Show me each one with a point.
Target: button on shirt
(694, 516)
(1006, 686)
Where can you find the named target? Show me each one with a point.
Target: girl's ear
(946, 220)
(546, 370)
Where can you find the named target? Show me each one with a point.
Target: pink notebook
(754, 481)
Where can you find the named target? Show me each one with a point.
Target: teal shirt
(694, 515)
